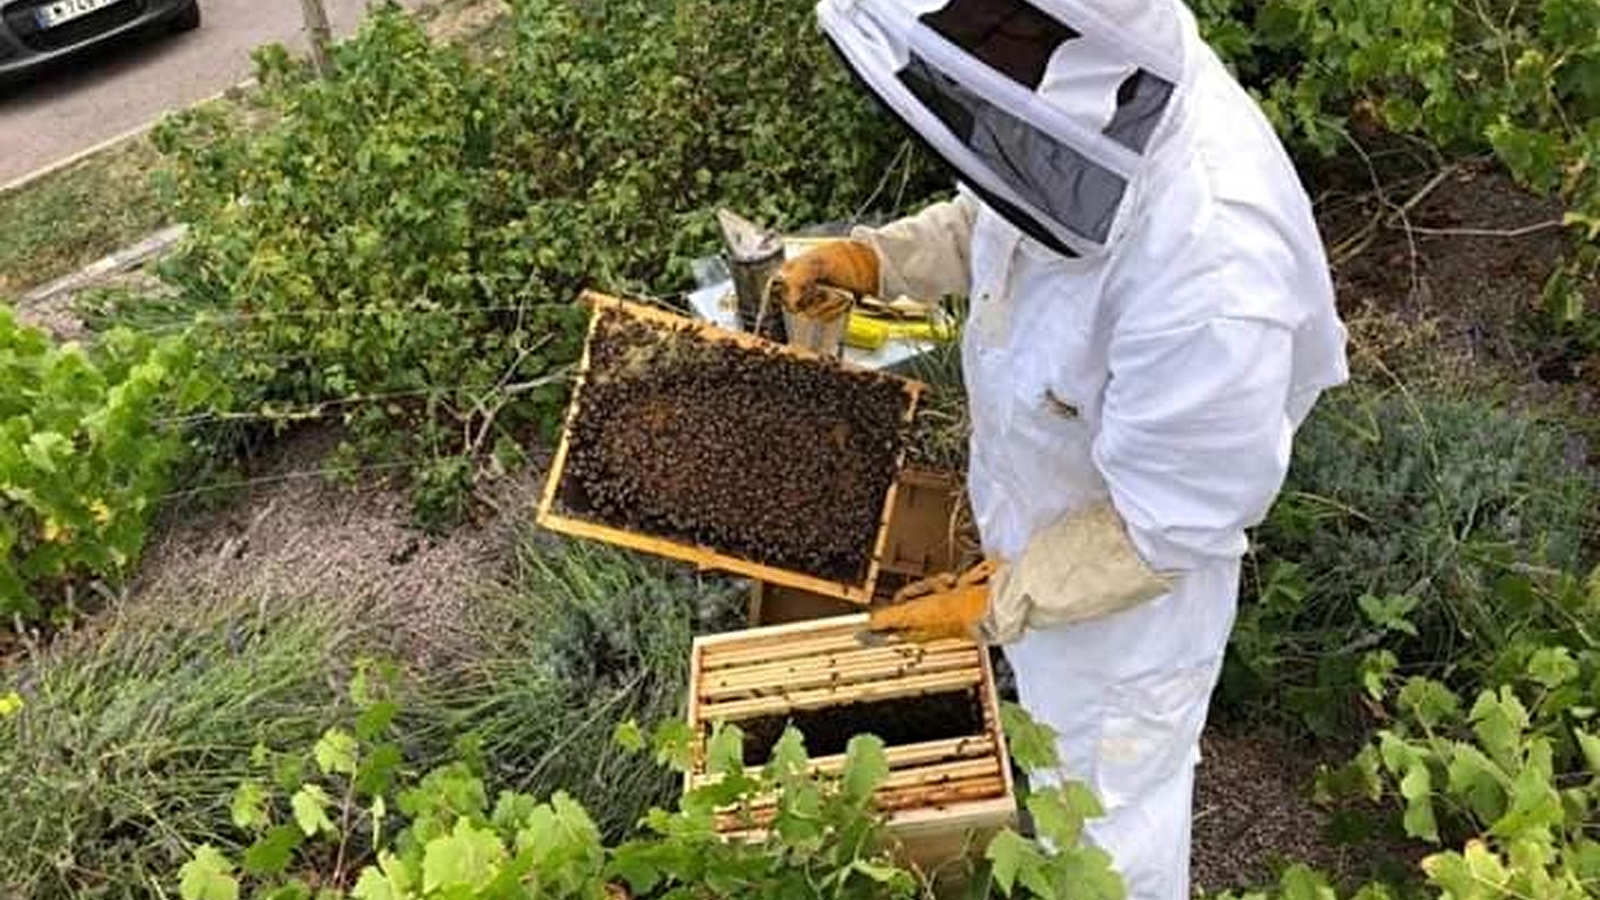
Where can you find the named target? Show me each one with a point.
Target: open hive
(724, 450)
(933, 704)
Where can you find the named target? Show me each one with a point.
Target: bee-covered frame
(704, 557)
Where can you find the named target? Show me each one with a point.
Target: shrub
(1505, 786)
(1518, 80)
(1424, 527)
(355, 252)
(84, 457)
(400, 246)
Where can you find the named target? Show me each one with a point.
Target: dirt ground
(1253, 812)
(1451, 293)
(298, 537)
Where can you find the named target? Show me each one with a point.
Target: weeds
(69, 218)
(942, 427)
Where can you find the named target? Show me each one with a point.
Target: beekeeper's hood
(1051, 110)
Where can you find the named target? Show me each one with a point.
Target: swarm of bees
(764, 456)
(907, 720)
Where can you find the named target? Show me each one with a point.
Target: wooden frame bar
(705, 557)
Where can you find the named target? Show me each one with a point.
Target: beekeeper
(1151, 318)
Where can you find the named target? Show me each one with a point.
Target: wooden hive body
(552, 517)
(945, 795)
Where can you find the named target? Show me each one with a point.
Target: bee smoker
(753, 256)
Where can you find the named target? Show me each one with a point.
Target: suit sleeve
(1194, 440)
(927, 255)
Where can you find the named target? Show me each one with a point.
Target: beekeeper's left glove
(1082, 567)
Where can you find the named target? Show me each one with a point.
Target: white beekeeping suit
(1151, 320)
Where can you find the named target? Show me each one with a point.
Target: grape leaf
(1552, 667)
(1300, 882)
(725, 751)
(390, 879)
(866, 766)
(1499, 721)
(1091, 871)
(1390, 613)
(249, 806)
(1059, 813)
(1008, 854)
(1032, 745)
(1429, 701)
(629, 736)
(674, 745)
(208, 876)
(375, 775)
(1417, 788)
(310, 805)
(270, 854)
(468, 857)
(788, 756)
(1475, 778)
(376, 719)
(1590, 745)
(1376, 668)
(372, 885)
(336, 753)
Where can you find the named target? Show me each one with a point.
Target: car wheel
(188, 19)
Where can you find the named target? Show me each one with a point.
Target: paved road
(111, 93)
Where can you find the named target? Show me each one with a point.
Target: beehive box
(729, 452)
(934, 705)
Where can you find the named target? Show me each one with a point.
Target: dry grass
(66, 219)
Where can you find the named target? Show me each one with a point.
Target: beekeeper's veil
(1048, 109)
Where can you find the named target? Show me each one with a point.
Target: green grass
(70, 218)
(943, 426)
(134, 734)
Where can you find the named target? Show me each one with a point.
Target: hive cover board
(728, 451)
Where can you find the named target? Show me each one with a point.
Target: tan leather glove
(821, 283)
(1083, 567)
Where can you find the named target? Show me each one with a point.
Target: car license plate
(63, 11)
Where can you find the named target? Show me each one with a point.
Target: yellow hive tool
(867, 332)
